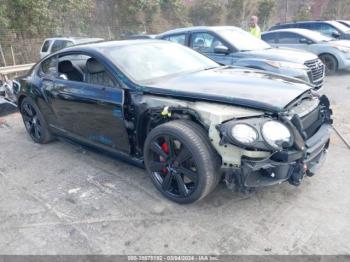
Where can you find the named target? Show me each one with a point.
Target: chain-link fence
(17, 49)
(117, 19)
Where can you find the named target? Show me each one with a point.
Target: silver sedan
(335, 54)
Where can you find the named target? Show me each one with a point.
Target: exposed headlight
(279, 64)
(344, 49)
(244, 134)
(276, 134)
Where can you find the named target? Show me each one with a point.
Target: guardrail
(6, 70)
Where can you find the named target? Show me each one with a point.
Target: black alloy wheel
(34, 122)
(180, 161)
(172, 166)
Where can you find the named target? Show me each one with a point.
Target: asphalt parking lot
(62, 199)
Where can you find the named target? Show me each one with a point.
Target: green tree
(238, 12)
(28, 17)
(3, 18)
(265, 11)
(70, 16)
(207, 12)
(337, 9)
(303, 13)
(175, 12)
(32, 18)
(127, 17)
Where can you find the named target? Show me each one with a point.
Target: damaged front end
(294, 142)
(257, 148)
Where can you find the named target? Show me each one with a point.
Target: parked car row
(233, 46)
(230, 45)
(331, 44)
(51, 45)
(329, 28)
(335, 54)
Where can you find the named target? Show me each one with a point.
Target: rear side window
(46, 46)
(179, 38)
(310, 26)
(288, 38)
(60, 44)
(269, 38)
(326, 29)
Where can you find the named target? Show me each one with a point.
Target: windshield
(317, 37)
(242, 40)
(339, 26)
(144, 62)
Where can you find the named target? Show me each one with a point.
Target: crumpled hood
(283, 54)
(237, 86)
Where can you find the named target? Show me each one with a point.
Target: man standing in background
(254, 28)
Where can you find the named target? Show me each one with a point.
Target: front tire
(34, 122)
(330, 62)
(181, 161)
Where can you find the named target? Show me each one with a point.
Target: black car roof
(107, 44)
(96, 47)
(121, 43)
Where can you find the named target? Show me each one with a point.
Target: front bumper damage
(293, 168)
(311, 141)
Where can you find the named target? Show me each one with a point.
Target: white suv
(51, 45)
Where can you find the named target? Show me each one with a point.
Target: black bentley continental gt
(191, 122)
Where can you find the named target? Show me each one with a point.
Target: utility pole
(286, 11)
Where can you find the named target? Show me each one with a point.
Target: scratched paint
(102, 139)
(117, 112)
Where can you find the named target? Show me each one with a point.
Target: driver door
(292, 40)
(88, 102)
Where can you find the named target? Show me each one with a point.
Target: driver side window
(326, 29)
(84, 68)
(205, 42)
(288, 38)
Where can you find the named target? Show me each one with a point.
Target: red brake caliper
(165, 148)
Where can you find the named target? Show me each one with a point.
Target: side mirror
(335, 35)
(305, 41)
(221, 49)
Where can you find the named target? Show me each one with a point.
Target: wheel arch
(156, 116)
(20, 100)
(332, 55)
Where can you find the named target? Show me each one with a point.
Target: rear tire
(34, 122)
(330, 62)
(181, 161)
